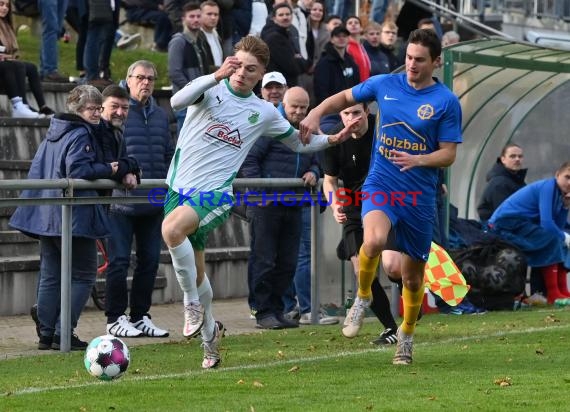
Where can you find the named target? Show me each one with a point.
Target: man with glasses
(379, 45)
(147, 139)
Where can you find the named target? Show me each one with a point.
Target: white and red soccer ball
(107, 357)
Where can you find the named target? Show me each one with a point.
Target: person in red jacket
(355, 47)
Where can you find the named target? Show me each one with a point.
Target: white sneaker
(404, 349)
(129, 41)
(355, 317)
(150, 329)
(22, 111)
(122, 328)
(212, 356)
(193, 319)
(324, 319)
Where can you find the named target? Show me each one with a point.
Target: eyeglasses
(93, 109)
(140, 77)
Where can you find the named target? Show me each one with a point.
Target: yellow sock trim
(412, 305)
(366, 274)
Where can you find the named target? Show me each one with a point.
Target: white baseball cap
(273, 77)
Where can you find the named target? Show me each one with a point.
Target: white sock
(185, 267)
(206, 297)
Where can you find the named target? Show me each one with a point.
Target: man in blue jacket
(147, 139)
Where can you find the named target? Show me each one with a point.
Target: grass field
(120, 59)
(494, 362)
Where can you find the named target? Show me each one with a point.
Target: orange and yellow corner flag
(443, 277)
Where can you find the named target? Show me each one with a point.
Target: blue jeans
(159, 19)
(343, 8)
(379, 8)
(146, 231)
(52, 14)
(301, 285)
(98, 36)
(275, 250)
(83, 273)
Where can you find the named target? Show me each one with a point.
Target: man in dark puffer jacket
(147, 138)
(505, 178)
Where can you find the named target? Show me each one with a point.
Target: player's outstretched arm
(319, 141)
(332, 104)
(190, 93)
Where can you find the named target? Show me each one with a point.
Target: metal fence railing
(554, 9)
(68, 186)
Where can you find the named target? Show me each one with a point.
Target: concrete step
(5, 214)
(31, 262)
(14, 243)
(226, 268)
(22, 263)
(20, 138)
(55, 95)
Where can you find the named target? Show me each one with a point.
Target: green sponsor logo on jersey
(253, 117)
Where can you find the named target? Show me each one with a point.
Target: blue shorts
(412, 232)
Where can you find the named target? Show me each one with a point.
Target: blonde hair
(390, 25)
(256, 47)
(372, 26)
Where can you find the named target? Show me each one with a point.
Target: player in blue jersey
(418, 132)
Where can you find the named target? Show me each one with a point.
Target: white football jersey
(218, 133)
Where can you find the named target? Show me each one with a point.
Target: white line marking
(282, 362)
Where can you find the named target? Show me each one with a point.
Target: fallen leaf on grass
(551, 319)
(431, 398)
(257, 384)
(506, 381)
(241, 382)
(539, 351)
(294, 369)
(280, 354)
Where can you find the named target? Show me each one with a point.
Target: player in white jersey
(223, 121)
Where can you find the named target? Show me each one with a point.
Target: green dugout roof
(509, 91)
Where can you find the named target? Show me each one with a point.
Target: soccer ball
(107, 357)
